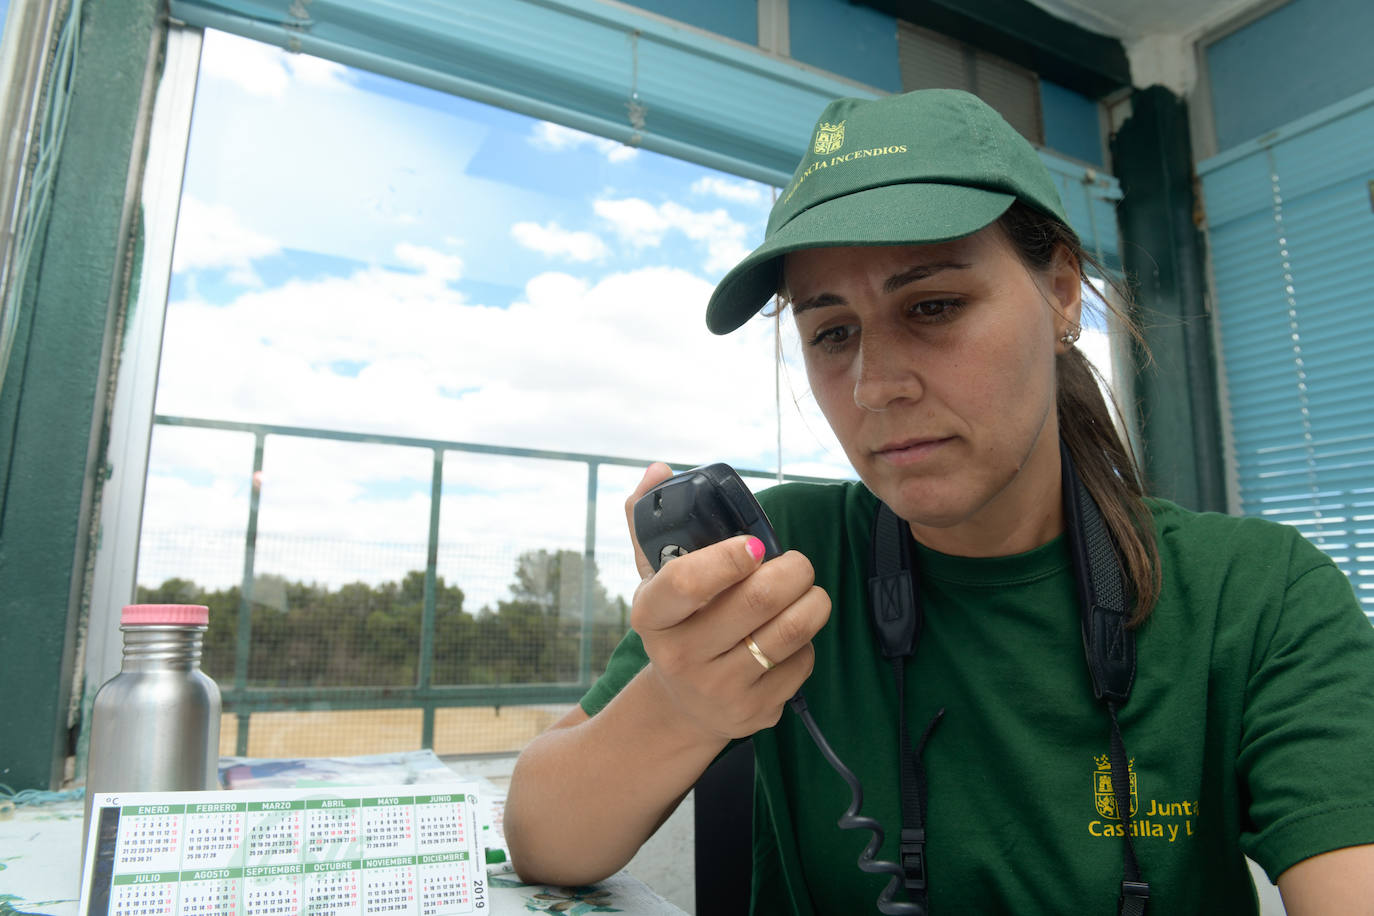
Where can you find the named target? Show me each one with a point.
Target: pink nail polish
(755, 547)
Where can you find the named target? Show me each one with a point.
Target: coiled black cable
(852, 820)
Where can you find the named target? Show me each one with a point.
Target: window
(364, 267)
(929, 60)
(1290, 231)
(388, 298)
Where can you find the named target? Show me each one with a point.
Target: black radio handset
(707, 504)
(697, 508)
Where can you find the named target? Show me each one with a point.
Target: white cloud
(316, 71)
(621, 365)
(641, 224)
(549, 136)
(213, 236)
(556, 138)
(723, 236)
(434, 264)
(253, 67)
(634, 220)
(575, 365)
(553, 239)
(740, 192)
(616, 152)
(263, 70)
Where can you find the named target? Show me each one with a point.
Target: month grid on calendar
(374, 851)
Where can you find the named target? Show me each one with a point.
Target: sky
(360, 254)
(355, 253)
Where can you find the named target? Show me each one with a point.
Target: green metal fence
(243, 699)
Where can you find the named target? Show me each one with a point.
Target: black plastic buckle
(1134, 891)
(913, 849)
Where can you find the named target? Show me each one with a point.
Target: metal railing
(243, 699)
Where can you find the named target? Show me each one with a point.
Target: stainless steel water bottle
(155, 725)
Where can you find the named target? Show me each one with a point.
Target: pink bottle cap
(165, 615)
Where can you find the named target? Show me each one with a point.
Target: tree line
(361, 635)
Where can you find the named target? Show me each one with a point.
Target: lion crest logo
(1104, 795)
(829, 138)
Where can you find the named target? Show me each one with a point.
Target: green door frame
(1163, 253)
(53, 397)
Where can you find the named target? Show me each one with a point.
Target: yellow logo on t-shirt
(1104, 795)
(1154, 819)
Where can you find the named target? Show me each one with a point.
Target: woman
(927, 262)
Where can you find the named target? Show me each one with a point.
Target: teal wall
(738, 20)
(52, 402)
(1072, 126)
(835, 35)
(853, 41)
(1303, 56)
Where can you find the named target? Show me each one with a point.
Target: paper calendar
(374, 851)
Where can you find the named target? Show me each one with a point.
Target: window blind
(1290, 219)
(929, 60)
(593, 66)
(1090, 198)
(604, 69)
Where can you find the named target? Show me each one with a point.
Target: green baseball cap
(911, 169)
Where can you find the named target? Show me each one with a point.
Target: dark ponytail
(1103, 460)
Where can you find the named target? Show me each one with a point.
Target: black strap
(1104, 599)
(1135, 892)
(892, 594)
(897, 619)
(1105, 603)
(912, 785)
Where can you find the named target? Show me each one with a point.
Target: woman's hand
(586, 793)
(695, 614)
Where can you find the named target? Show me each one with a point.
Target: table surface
(40, 856)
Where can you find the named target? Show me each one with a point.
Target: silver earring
(1070, 336)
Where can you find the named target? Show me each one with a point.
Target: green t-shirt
(1250, 728)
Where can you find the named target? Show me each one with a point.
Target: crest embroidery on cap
(829, 138)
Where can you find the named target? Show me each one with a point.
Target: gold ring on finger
(759, 656)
